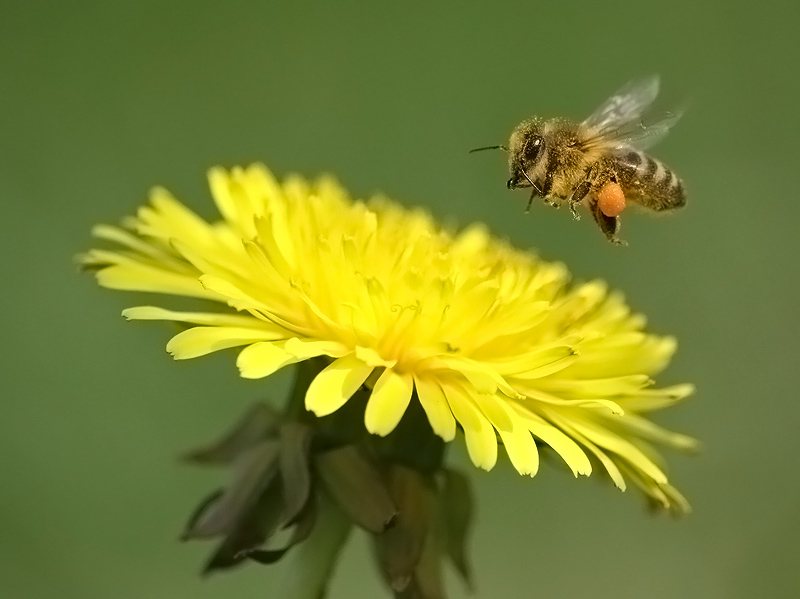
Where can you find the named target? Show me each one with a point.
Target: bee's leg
(609, 225)
(549, 177)
(536, 193)
(547, 201)
(547, 186)
(593, 174)
(577, 196)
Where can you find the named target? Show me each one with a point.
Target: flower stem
(312, 562)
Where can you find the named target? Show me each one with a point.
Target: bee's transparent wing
(618, 122)
(624, 107)
(640, 136)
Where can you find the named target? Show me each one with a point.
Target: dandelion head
(487, 339)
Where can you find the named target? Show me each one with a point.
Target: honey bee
(599, 162)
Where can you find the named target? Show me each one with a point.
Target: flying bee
(599, 162)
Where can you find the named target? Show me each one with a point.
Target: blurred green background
(101, 100)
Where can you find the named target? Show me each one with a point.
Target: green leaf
(250, 531)
(302, 530)
(400, 547)
(356, 486)
(294, 467)
(253, 472)
(258, 424)
(457, 507)
(200, 512)
(428, 574)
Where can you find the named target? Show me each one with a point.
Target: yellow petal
(388, 402)
(608, 463)
(648, 400)
(604, 404)
(480, 435)
(228, 202)
(373, 358)
(616, 444)
(304, 349)
(648, 430)
(208, 318)
(595, 388)
(129, 240)
(529, 364)
(569, 451)
(336, 384)
(262, 359)
(199, 341)
(435, 405)
(141, 277)
(169, 218)
(600, 359)
(482, 445)
(521, 449)
(482, 376)
(492, 407)
(235, 296)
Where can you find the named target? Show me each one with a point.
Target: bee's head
(525, 151)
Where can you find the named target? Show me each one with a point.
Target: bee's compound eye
(511, 183)
(534, 148)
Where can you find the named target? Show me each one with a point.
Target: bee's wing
(640, 136)
(618, 122)
(624, 107)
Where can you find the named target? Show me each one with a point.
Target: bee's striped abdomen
(648, 181)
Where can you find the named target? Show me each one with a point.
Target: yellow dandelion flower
(486, 337)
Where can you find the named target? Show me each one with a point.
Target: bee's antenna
(505, 149)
